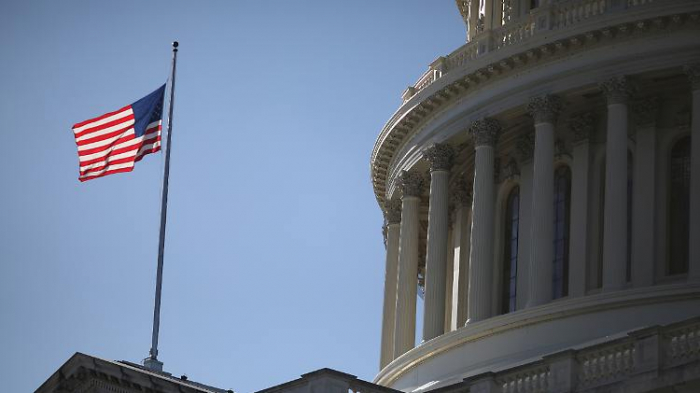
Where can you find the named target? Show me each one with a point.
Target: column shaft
(405, 327)
(542, 219)
(481, 249)
(615, 211)
(390, 285)
(436, 256)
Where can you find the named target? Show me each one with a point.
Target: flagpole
(152, 362)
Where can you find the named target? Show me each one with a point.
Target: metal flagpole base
(153, 364)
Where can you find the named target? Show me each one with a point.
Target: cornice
(464, 74)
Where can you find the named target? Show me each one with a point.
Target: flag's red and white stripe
(108, 144)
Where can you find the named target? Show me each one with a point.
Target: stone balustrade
(558, 15)
(648, 355)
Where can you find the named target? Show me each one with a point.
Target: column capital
(545, 108)
(693, 73)
(617, 89)
(392, 212)
(460, 193)
(440, 156)
(525, 147)
(645, 110)
(485, 131)
(582, 126)
(411, 183)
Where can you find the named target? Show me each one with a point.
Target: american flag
(113, 142)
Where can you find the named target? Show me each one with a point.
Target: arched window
(679, 207)
(510, 252)
(562, 206)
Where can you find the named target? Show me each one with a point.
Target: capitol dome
(541, 190)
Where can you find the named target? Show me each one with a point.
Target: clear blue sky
(274, 260)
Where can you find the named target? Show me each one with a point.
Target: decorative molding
(618, 89)
(485, 132)
(392, 212)
(693, 73)
(440, 156)
(646, 110)
(545, 109)
(411, 183)
(582, 126)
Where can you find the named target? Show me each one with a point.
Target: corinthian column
(411, 185)
(484, 133)
(615, 215)
(693, 73)
(393, 221)
(440, 157)
(544, 110)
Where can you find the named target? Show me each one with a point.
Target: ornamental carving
(411, 183)
(392, 212)
(485, 132)
(645, 111)
(618, 89)
(440, 156)
(582, 126)
(545, 108)
(461, 196)
(525, 147)
(693, 73)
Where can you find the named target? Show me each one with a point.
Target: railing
(514, 32)
(572, 12)
(646, 353)
(605, 365)
(534, 379)
(682, 344)
(558, 15)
